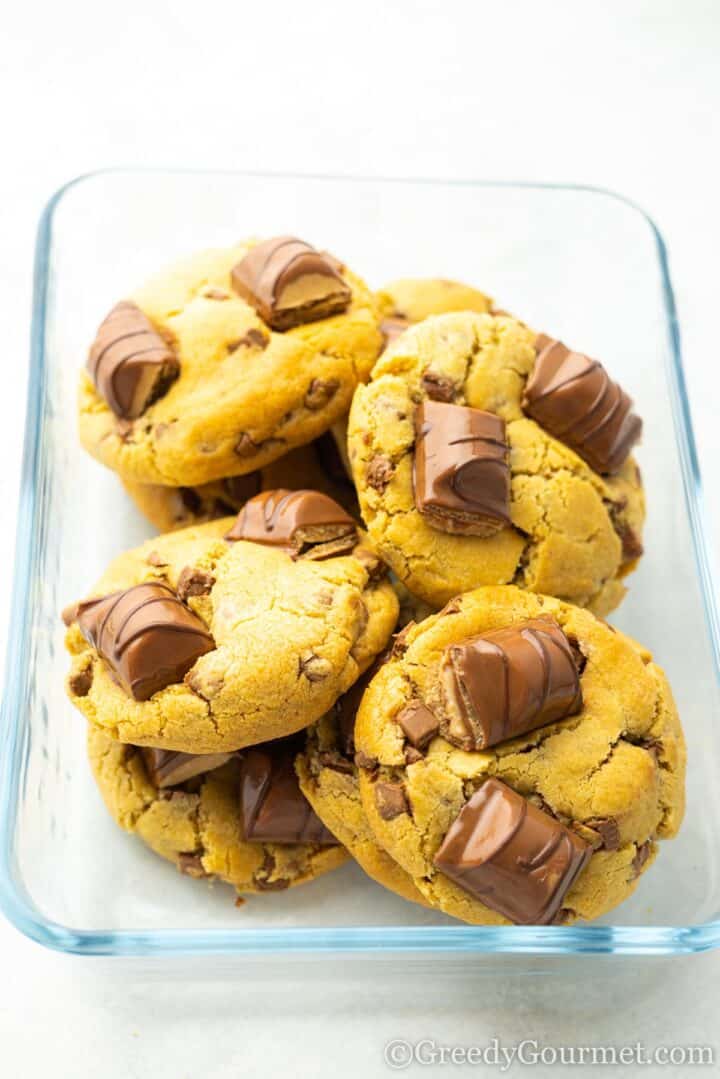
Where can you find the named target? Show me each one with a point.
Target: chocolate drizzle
(515, 858)
(305, 523)
(574, 398)
(147, 637)
(462, 470)
(507, 682)
(288, 283)
(129, 362)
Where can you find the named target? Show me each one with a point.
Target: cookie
(196, 377)
(329, 780)
(318, 466)
(520, 759)
(201, 644)
(412, 299)
(199, 819)
(459, 487)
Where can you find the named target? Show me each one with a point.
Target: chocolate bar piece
(508, 682)
(147, 637)
(129, 362)
(288, 283)
(392, 326)
(515, 858)
(574, 398)
(272, 806)
(167, 769)
(305, 523)
(462, 470)
(418, 724)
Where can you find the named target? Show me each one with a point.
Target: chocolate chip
(608, 830)
(156, 559)
(254, 338)
(320, 393)
(245, 447)
(335, 761)
(438, 387)
(642, 854)
(412, 755)
(81, 681)
(390, 800)
(191, 864)
(369, 764)
(379, 472)
(215, 294)
(418, 724)
(194, 582)
(313, 667)
(632, 547)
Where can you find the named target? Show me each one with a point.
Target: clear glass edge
(530, 940)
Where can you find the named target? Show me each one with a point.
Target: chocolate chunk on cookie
(462, 472)
(147, 637)
(308, 524)
(512, 856)
(288, 283)
(273, 808)
(508, 682)
(129, 362)
(574, 398)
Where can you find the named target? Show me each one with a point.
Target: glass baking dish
(580, 262)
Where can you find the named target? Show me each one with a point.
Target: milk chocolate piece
(167, 769)
(288, 283)
(462, 470)
(392, 326)
(305, 523)
(512, 856)
(129, 362)
(507, 682)
(574, 398)
(147, 637)
(390, 800)
(272, 806)
(418, 723)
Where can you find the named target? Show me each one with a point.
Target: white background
(620, 94)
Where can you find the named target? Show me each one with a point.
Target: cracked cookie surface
(290, 637)
(198, 826)
(574, 534)
(614, 771)
(317, 466)
(245, 394)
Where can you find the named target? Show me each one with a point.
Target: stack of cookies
(373, 623)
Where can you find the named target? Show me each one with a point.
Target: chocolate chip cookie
(233, 632)
(225, 362)
(520, 759)
(329, 780)
(467, 473)
(239, 818)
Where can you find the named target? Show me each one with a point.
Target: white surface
(620, 94)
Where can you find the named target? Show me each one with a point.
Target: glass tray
(581, 263)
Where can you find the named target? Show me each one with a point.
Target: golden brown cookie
(199, 824)
(188, 382)
(604, 773)
(571, 532)
(329, 780)
(269, 639)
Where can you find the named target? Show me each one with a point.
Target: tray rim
(15, 902)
